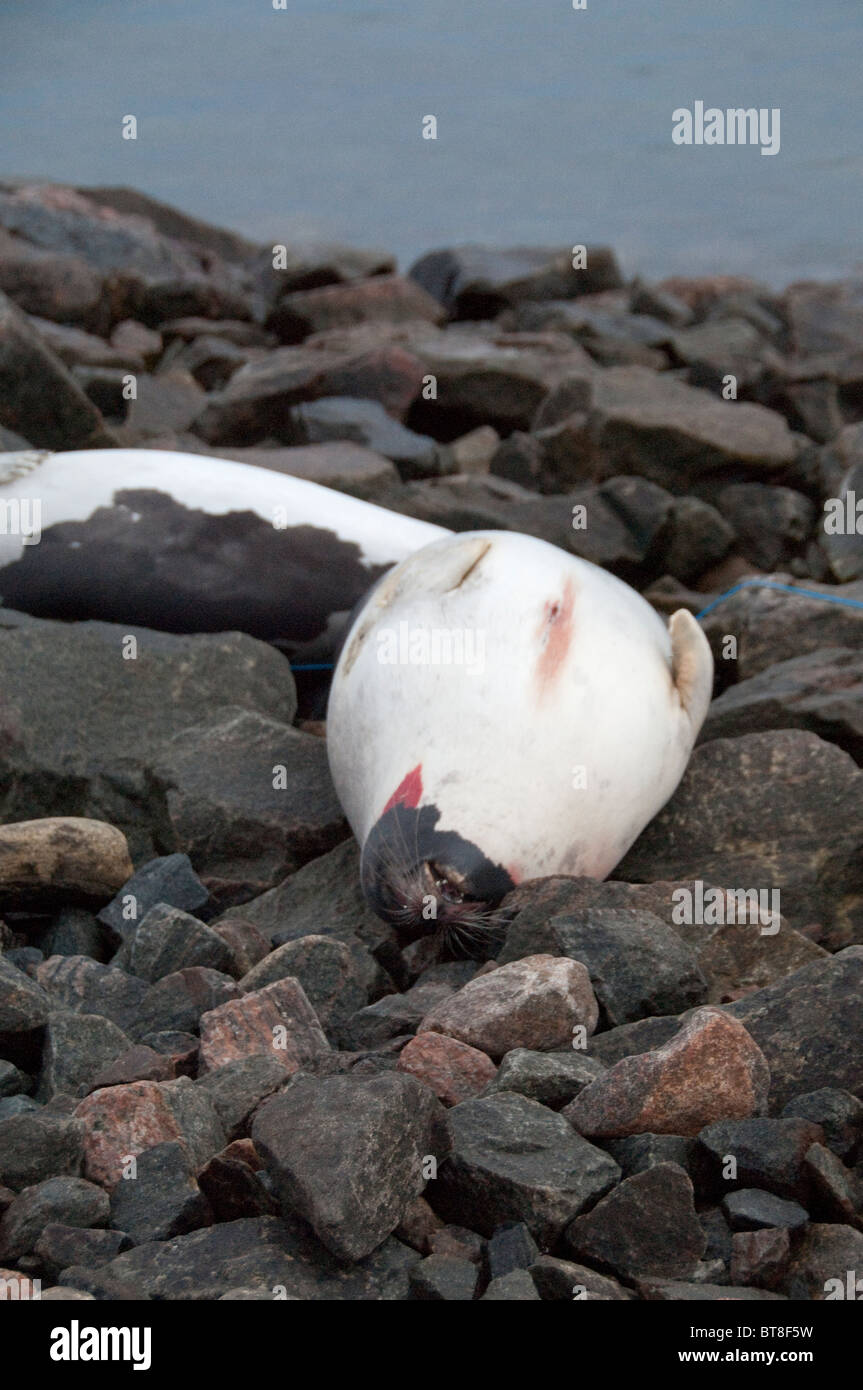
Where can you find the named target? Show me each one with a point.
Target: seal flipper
(691, 666)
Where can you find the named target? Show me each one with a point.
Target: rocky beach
(222, 1077)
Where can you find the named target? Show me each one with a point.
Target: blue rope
(744, 584)
(783, 589)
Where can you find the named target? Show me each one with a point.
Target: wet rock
(66, 1199)
(839, 1114)
(237, 1089)
(750, 1209)
(168, 939)
(37, 1146)
(477, 282)
(454, 1071)
(83, 986)
(60, 1245)
(349, 1155)
(514, 1160)
(768, 1154)
(162, 1200)
(169, 879)
(534, 1002)
(821, 692)
(637, 964)
(57, 677)
(336, 976)
(178, 1002)
(710, 1070)
(250, 800)
(552, 1078)
(562, 1281)
(515, 1287)
(77, 1047)
(806, 843)
(771, 523)
(760, 1257)
(40, 398)
(257, 402)
(24, 1005)
(645, 1227)
(443, 1278)
(262, 1253)
(276, 1021)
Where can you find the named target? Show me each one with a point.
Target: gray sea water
(554, 124)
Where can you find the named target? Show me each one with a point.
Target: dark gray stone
(839, 1114)
(238, 1088)
(749, 1209)
(24, 1005)
(169, 879)
(37, 1146)
(444, 1279)
(62, 1245)
(162, 1200)
(645, 1227)
(552, 1078)
(83, 986)
(517, 1286)
(77, 1047)
(69, 1200)
(639, 1152)
(168, 939)
(769, 1154)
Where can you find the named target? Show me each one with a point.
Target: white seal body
(502, 710)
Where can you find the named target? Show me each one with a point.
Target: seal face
(502, 710)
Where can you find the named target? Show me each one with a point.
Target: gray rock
(769, 1154)
(348, 1155)
(839, 1114)
(638, 1152)
(367, 423)
(24, 1005)
(60, 1245)
(83, 986)
(262, 1252)
(337, 976)
(163, 1199)
(772, 625)
(17, 1105)
(826, 1264)
(514, 1160)
(475, 282)
(772, 524)
(168, 939)
(227, 807)
(75, 932)
(444, 1279)
(517, 1286)
(562, 1281)
(511, 1247)
(69, 1200)
(238, 1088)
(552, 1078)
(12, 1080)
(77, 1047)
(749, 1209)
(169, 879)
(645, 1227)
(178, 1002)
(37, 1146)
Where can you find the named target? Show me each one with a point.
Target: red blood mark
(555, 634)
(514, 873)
(409, 790)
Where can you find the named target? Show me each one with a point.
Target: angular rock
(382, 298)
(772, 625)
(642, 1151)
(552, 1078)
(339, 464)
(769, 1154)
(232, 1183)
(771, 523)
(250, 800)
(77, 1047)
(444, 1278)
(367, 423)
(84, 986)
(645, 1227)
(66, 1199)
(562, 1281)
(169, 879)
(821, 692)
(24, 1005)
(162, 1200)
(780, 810)
(348, 1156)
(637, 964)
(336, 976)
(57, 677)
(535, 1002)
(178, 1002)
(711, 1070)
(477, 282)
(839, 1114)
(394, 1015)
(167, 940)
(12, 1080)
(825, 1264)
(514, 1160)
(120, 1123)
(511, 1247)
(60, 1245)
(760, 1257)
(237, 1089)
(276, 1021)
(454, 1071)
(40, 397)
(37, 1146)
(837, 1193)
(750, 1210)
(515, 1287)
(138, 1063)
